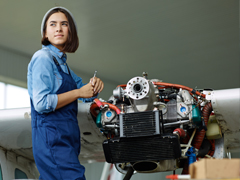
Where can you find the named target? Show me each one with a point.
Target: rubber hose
(113, 107)
(212, 150)
(185, 161)
(98, 102)
(199, 136)
(94, 106)
(185, 167)
(178, 86)
(181, 132)
(122, 86)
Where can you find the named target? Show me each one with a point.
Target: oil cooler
(141, 138)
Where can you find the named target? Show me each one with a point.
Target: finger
(94, 81)
(99, 87)
(102, 86)
(87, 90)
(96, 85)
(91, 88)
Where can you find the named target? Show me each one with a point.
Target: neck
(59, 46)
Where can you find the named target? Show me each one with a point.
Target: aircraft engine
(152, 126)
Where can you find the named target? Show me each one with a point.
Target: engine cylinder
(142, 93)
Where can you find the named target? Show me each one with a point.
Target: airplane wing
(16, 133)
(91, 136)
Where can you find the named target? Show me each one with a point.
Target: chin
(58, 45)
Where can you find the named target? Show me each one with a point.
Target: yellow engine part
(213, 129)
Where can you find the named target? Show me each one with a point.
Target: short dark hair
(72, 42)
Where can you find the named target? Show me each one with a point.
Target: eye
(52, 24)
(65, 24)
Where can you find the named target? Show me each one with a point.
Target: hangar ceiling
(193, 43)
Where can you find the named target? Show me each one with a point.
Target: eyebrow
(56, 22)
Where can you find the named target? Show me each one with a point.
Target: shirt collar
(56, 51)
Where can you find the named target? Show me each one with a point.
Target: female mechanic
(54, 90)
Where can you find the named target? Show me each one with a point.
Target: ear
(46, 36)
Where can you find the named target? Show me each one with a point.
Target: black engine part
(148, 148)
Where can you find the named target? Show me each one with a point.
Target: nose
(59, 28)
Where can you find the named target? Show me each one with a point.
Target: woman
(54, 90)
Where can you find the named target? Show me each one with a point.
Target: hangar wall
(13, 67)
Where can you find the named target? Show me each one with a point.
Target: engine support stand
(129, 173)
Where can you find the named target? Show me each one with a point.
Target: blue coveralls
(56, 138)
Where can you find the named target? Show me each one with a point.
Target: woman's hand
(87, 91)
(97, 84)
(91, 89)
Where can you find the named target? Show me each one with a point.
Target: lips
(58, 35)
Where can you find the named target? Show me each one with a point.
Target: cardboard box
(215, 168)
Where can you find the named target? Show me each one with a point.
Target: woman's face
(57, 30)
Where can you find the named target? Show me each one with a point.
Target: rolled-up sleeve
(44, 100)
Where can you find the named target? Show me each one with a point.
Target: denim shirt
(44, 79)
